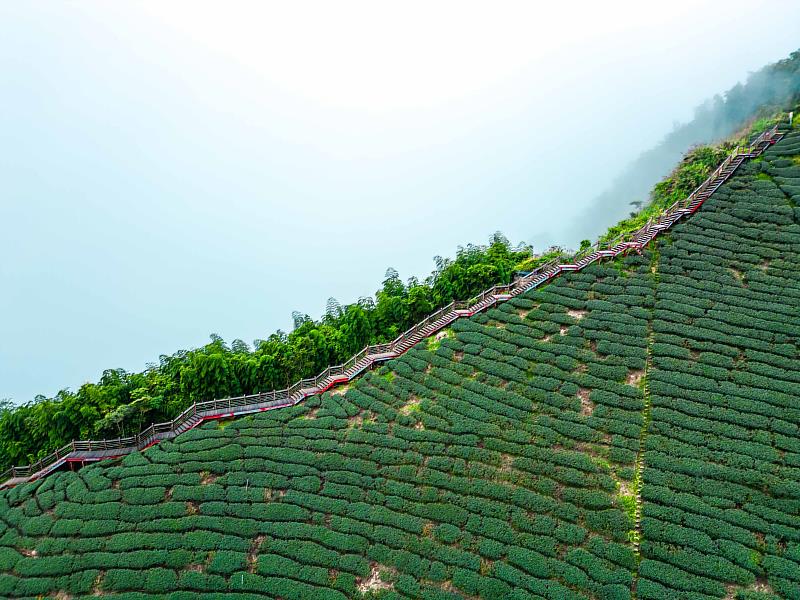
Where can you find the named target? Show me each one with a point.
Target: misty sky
(168, 172)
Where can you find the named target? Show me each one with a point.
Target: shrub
(152, 495)
(160, 580)
(8, 558)
(226, 562)
(202, 582)
(122, 579)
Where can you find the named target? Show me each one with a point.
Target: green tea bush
(201, 582)
(226, 562)
(122, 579)
(151, 495)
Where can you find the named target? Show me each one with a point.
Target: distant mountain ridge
(773, 88)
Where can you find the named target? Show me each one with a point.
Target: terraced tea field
(630, 430)
(722, 477)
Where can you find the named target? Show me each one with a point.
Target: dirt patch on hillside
(97, 584)
(762, 586)
(730, 591)
(588, 448)
(625, 488)
(411, 406)
(448, 586)
(273, 495)
(206, 477)
(587, 406)
(458, 355)
(563, 330)
(738, 275)
(339, 390)
(252, 555)
(374, 582)
(506, 461)
(195, 568)
(634, 377)
(558, 492)
(577, 314)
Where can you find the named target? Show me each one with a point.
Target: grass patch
(628, 502)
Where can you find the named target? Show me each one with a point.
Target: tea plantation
(722, 477)
(628, 431)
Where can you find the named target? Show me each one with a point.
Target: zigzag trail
(85, 451)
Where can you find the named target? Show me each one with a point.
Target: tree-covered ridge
(695, 167)
(502, 460)
(770, 90)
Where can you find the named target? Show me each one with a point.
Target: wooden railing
(366, 358)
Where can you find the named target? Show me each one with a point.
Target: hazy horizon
(173, 172)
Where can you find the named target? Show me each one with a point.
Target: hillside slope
(629, 430)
